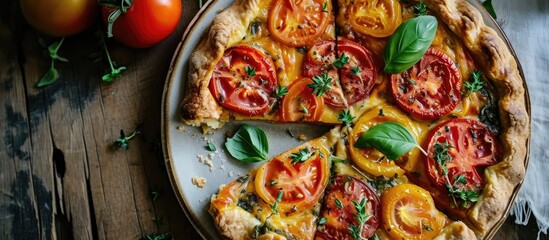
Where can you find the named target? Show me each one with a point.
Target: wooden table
(60, 177)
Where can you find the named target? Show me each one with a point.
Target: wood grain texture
(60, 177)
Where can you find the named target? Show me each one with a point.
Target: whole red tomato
(146, 22)
(59, 17)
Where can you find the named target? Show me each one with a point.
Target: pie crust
(483, 43)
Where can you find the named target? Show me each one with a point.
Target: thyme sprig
(342, 60)
(302, 155)
(361, 217)
(123, 141)
(320, 84)
(475, 84)
(346, 117)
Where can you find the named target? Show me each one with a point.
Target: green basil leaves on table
(390, 138)
(249, 144)
(409, 43)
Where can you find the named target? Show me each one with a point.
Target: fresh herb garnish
(361, 217)
(243, 178)
(281, 91)
(342, 60)
(322, 221)
(325, 7)
(338, 203)
(490, 8)
(273, 183)
(335, 159)
(420, 9)
(345, 117)
(302, 155)
(249, 144)
(390, 138)
(124, 140)
(249, 70)
(475, 84)
(320, 84)
(274, 207)
(211, 147)
(489, 113)
(52, 74)
(428, 228)
(355, 70)
(442, 156)
(409, 43)
(116, 71)
(465, 196)
(461, 179)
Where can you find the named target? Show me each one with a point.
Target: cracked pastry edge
(500, 67)
(199, 107)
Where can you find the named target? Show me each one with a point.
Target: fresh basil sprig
(390, 138)
(249, 144)
(409, 43)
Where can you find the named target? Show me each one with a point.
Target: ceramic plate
(184, 145)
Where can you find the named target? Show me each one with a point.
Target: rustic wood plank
(26, 209)
(60, 178)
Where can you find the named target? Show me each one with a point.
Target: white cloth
(526, 24)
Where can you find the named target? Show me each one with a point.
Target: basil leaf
(490, 8)
(49, 77)
(409, 43)
(249, 144)
(390, 138)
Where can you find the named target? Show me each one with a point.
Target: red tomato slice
(353, 81)
(244, 81)
(301, 183)
(300, 104)
(298, 23)
(430, 89)
(340, 211)
(473, 146)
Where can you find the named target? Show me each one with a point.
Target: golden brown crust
(500, 67)
(227, 27)
(456, 231)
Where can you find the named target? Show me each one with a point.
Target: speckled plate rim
(177, 60)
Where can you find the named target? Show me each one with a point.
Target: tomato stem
(120, 9)
(108, 55)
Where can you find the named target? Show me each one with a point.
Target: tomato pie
(432, 68)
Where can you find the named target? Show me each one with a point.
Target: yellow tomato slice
(372, 161)
(377, 18)
(408, 212)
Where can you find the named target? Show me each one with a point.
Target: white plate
(181, 148)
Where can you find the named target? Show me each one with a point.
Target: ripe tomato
(340, 210)
(408, 212)
(353, 81)
(472, 146)
(298, 23)
(59, 18)
(146, 22)
(301, 183)
(244, 80)
(430, 89)
(377, 18)
(371, 160)
(300, 104)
